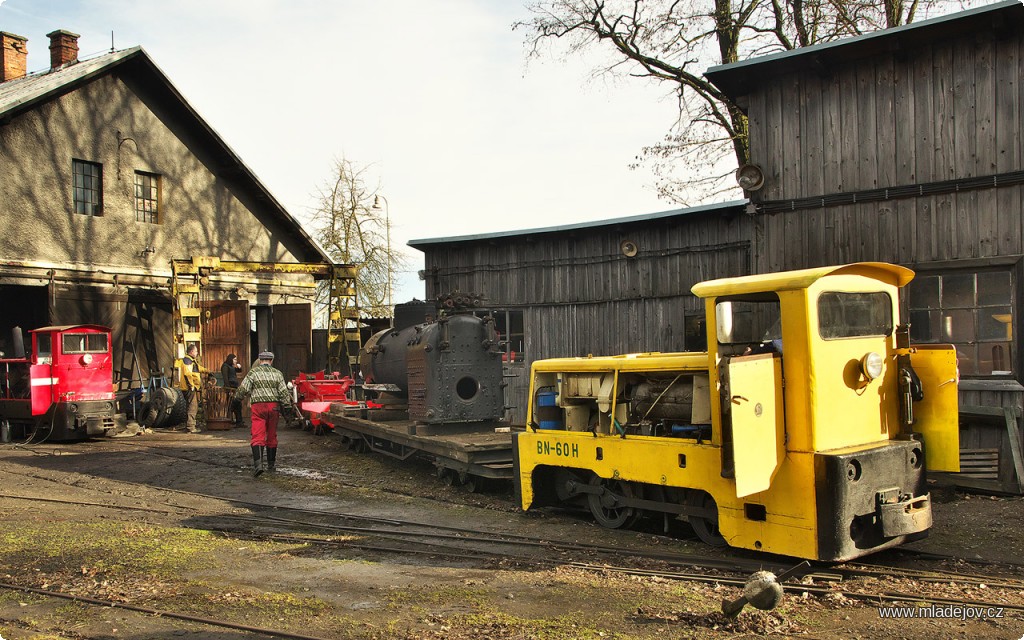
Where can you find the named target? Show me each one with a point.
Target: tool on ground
(762, 590)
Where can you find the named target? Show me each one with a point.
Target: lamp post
(387, 226)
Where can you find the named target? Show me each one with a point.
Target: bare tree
(675, 41)
(353, 231)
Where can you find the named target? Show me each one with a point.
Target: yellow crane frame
(190, 276)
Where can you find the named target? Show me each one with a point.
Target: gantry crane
(189, 277)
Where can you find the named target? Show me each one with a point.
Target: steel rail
(274, 633)
(726, 563)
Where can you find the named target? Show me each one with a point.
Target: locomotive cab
(63, 389)
(803, 432)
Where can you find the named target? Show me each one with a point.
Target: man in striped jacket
(269, 394)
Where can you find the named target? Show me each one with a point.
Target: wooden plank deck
(457, 446)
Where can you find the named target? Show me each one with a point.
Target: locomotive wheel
(706, 528)
(603, 507)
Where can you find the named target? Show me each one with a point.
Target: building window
(147, 197)
(973, 311)
(509, 325)
(88, 187)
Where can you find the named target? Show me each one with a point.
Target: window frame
(82, 183)
(507, 337)
(88, 338)
(143, 214)
(1014, 268)
(763, 313)
(838, 294)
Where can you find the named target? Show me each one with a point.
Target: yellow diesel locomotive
(804, 430)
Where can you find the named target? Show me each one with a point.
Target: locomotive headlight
(87, 359)
(871, 365)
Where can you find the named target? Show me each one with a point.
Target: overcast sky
(463, 133)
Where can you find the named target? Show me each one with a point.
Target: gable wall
(105, 122)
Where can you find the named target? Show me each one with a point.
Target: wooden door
(292, 337)
(225, 330)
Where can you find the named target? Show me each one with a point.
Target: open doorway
(25, 307)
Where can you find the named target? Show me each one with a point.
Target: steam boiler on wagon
(441, 387)
(448, 371)
(63, 388)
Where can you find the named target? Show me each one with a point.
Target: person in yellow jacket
(190, 381)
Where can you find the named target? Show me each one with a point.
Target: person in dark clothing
(229, 372)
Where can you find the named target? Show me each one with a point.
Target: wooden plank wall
(949, 110)
(580, 295)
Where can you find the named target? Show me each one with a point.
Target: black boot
(257, 460)
(271, 456)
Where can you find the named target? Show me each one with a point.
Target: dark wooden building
(905, 146)
(902, 146)
(613, 286)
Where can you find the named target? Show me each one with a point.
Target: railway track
(282, 523)
(344, 533)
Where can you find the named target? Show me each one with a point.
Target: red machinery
(63, 389)
(315, 393)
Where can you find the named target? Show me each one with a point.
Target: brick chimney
(63, 48)
(13, 56)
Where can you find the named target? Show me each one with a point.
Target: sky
(462, 132)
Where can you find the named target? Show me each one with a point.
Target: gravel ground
(133, 538)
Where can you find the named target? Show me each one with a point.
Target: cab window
(751, 319)
(852, 315)
(84, 343)
(44, 348)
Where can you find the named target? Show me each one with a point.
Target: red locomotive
(63, 389)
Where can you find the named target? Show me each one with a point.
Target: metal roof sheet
(737, 205)
(36, 87)
(739, 78)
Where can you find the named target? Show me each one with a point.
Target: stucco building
(106, 175)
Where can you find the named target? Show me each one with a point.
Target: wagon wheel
(470, 482)
(604, 506)
(357, 445)
(447, 476)
(706, 528)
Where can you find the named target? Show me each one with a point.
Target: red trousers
(264, 424)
